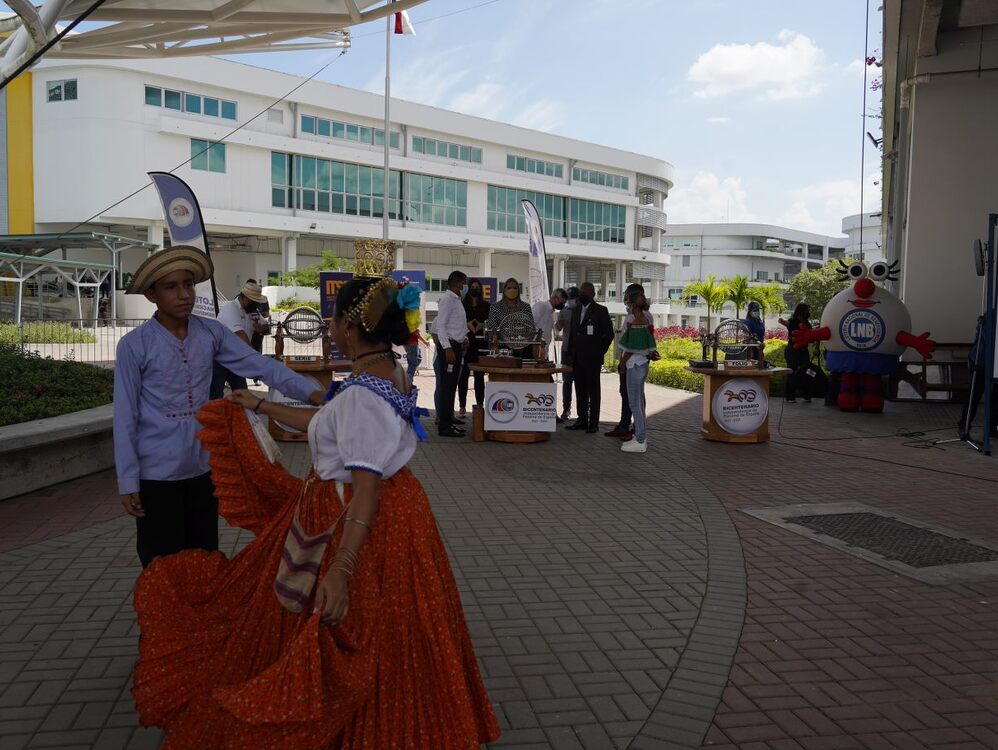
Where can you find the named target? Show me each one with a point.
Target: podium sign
(521, 407)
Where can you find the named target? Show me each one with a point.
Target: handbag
(298, 571)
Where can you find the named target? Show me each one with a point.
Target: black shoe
(558, 419)
(591, 430)
(578, 424)
(452, 432)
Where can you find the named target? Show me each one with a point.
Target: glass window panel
(364, 206)
(154, 96)
(172, 100)
(339, 130)
(462, 217)
(521, 164)
(510, 161)
(377, 182)
(558, 171)
(351, 205)
(395, 183)
(521, 224)
(308, 200)
(324, 128)
(216, 157)
(228, 110)
(364, 185)
(192, 103)
(500, 222)
(437, 215)
(307, 124)
(323, 176)
(69, 90)
(337, 177)
(511, 201)
(462, 194)
(307, 171)
(352, 173)
(365, 135)
(451, 217)
(322, 202)
(439, 190)
(395, 139)
(454, 151)
(490, 221)
(211, 106)
(379, 137)
(465, 154)
(491, 199)
(450, 193)
(531, 165)
(476, 155)
(431, 147)
(377, 207)
(199, 154)
(336, 203)
(277, 197)
(352, 132)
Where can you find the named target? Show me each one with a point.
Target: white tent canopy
(173, 28)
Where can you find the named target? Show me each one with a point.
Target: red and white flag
(402, 23)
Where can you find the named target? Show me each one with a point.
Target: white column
(485, 263)
(399, 256)
(289, 253)
(621, 285)
(605, 285)
(154, 234)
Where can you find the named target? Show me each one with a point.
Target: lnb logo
(503, 407)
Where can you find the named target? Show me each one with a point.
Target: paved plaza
(615, 600)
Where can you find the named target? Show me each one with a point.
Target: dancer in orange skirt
(379, 656)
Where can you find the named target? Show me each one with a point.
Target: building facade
(864, 239)
(305, 175)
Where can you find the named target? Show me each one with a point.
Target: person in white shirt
(544, 312)
(235, 315)
(450, 336)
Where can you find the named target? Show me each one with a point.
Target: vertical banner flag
(402, 23)
(185, 226)
(537, 264)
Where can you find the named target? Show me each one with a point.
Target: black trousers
(587, 391)
(447, 377)
(625, 404)
(462, 391)
(180, 514)
(567, 381)
(219, 377)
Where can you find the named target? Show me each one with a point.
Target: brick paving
(614, 600)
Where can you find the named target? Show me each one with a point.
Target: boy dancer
(161, 381)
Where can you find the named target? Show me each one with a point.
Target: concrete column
(289, 253)
(621, 281)
(485, 263)
(154, 234)
(399, 256)
(605, 285)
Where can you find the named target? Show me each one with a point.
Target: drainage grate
(896, 540)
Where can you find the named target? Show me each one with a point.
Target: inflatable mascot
(866, 330)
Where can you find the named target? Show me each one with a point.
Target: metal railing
(81, 341)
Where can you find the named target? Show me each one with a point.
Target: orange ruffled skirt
(223, 665)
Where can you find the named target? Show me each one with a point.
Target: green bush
(43, 332)
(290, 303)
(671, 373)
(34, 388)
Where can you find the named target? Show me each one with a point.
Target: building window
(603, 179)
(62, 91)
(347, 131)
(686, 261)
(505, 212)
(436, 200)
(534, 166)
(762, 275)
(194, 104)
(444, 149)
(599, 222)
(207, 158)
(331, 186)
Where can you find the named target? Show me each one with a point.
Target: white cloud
(428, 79)
(718, 120)
(708, 198)
(484, 100)
(822, 206)
(789, 70)
(544, 114)
(856, 67)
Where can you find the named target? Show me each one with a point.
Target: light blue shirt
(160, 384)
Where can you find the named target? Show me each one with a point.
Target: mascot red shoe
(866, 330)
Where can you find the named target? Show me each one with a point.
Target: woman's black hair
(470, 301)
(799, 311)
(391, 329)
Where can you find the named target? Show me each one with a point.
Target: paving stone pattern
(606, 593)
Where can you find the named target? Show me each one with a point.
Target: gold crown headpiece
(373, 259)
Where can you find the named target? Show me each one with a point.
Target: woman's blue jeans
(635, 379)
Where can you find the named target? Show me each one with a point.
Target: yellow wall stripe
(20, 157)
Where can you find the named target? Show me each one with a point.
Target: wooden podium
(318, 368)
(736, 403)
(512, 375)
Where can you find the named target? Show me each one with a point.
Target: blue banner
(331, 281)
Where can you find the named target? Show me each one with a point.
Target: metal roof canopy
(35, 247)
(176, 28)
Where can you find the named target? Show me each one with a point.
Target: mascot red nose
(866, 330)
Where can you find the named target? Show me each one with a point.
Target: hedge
(35, 388)
(43, 332)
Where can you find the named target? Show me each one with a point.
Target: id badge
(589, 330)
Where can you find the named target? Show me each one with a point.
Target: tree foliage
(309, 276)
(712, 293)
(815, 288)
(740, 292)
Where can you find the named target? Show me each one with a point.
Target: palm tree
(710, 291)
(739, 293)
(770, 297)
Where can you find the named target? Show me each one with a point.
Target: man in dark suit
(589, 336)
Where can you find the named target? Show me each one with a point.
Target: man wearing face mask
(562, 326)
(544, 312)
(236, 316)
(589, 336)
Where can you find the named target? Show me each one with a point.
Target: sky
(757, 104)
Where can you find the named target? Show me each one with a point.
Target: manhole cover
(895, 540)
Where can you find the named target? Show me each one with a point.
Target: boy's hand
(133, 505)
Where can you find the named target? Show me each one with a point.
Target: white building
(865, 242)
(305, 175)
(761, 252)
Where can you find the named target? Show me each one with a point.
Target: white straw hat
(164, 262)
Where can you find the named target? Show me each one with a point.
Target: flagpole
(388, 136)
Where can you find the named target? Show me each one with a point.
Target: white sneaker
(633, 446)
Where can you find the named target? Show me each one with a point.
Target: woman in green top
(637, 343)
